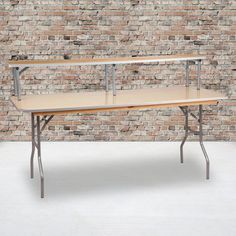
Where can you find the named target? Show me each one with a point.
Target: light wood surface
(125, 99)
(129, 108)
(102, 61)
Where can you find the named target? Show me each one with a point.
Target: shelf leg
(187, 74)
(106, 78)
(113, 80)
(14, 80)
(17, 79)
(198, 74)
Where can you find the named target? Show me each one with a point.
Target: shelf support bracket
(16, 72)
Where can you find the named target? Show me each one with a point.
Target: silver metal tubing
(185, 111)
(14, 79)
(113, 80)
(187, 74)
(17, 76)
(202, 145)
(36, 143)
(39, 158)
(106, 78)
(188, 130)
(194, 116)
(46, 121)
(23, 69)
(198, 74)
(33, 147)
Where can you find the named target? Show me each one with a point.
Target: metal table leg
(202, 145)
(36, 143)
(188, 130)
(39, 157)
(33, 146)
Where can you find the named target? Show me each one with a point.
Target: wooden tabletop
(103, 61)
(101, 100)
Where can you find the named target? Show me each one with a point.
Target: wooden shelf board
(102, 61)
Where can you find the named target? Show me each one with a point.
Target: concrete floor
(118, 189)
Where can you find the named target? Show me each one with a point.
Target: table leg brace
(188, 130)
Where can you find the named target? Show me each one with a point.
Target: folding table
(44, 107)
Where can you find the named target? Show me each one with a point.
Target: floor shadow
(119, 176)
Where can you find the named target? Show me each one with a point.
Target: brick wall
(43, 29)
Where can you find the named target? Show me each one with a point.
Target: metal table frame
(39, 122)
